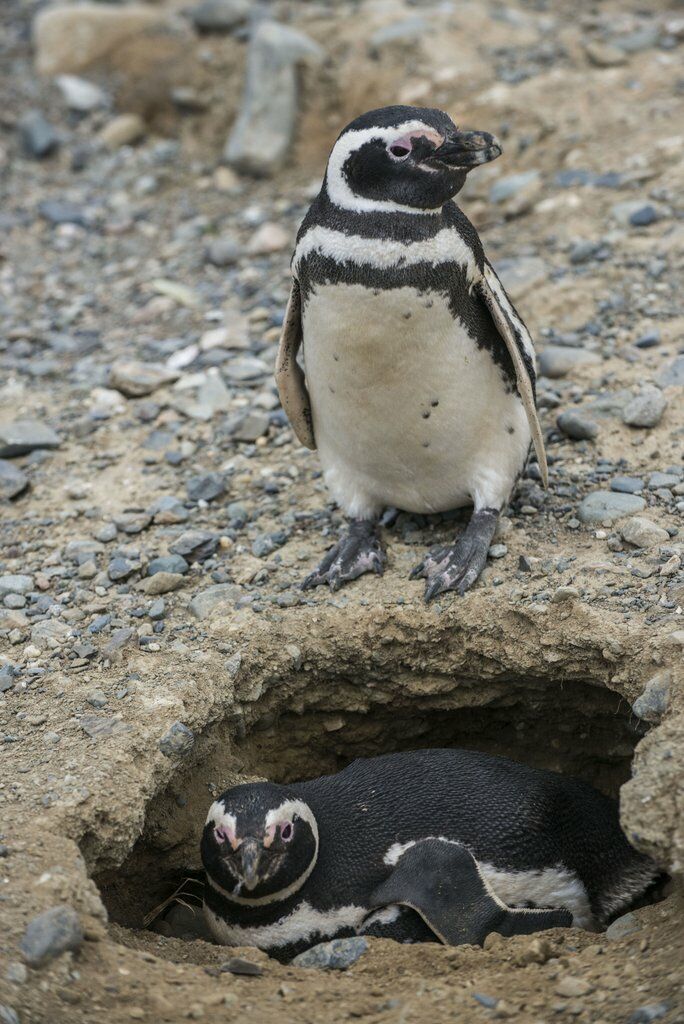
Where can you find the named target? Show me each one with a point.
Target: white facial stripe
(286, 811)
(336, 183)
(302, 924)
(446, 246)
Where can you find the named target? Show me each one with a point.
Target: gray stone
(246, 368)
(13, 481)
(673, 375)
(167, 563)
(484, 1000)
(82, 550)
(219, 596)
(652, 704)
(162, 582)
(15, 584)
(50, 934)
(519, 276)
(584, 250)
(48, 632)
(206, 486)
(6, 678)
(250, 427)
(177, 741)
(658, 480)
(577, 426)
(557, 360)
(337, 955)
(135, 379)
(644, 216)
(648, 1012)
(403, 31)
(646, 409)
(157, 610)
(642, 533)
(23, 436)
(220, 15)
(605, 506)
(622, 212)
(269, 106)
(498, 551)
(195, 545)
(622, 926)
(62, 211)
(223, 252)
(81, 95)
(508, 187)
(627, 484)
(97, 698)
(100, 726)
(8, 1015)
(168, 510)
(121, 569)
(38, 137)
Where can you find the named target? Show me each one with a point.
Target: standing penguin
(427, 845)
(419, 383)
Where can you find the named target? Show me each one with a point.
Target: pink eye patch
(401, 147)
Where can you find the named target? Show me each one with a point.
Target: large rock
(605, 506)
(71, 37)
(646, 409)
(643, 533)
(270, 102)
(13, 481)
(23, 436)
(50, 934)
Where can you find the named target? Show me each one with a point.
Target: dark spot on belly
(376, 291)
(336, 357)
(426, 415)
(429, 304)
(511, 430)
(434, 403)
(407, 316)
(331, 389)
(426, 444)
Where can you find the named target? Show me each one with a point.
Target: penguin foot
(457, 566)
(359, 551)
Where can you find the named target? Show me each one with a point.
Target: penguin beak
(250, 855)
(463, 150)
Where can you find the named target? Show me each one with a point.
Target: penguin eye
(220, 836)
(286, 831)
(400, 150)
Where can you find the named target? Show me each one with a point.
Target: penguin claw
(358, 552)
(458, 566)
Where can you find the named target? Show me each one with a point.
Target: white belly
(407, 410)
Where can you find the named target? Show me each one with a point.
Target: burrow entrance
(578, 728)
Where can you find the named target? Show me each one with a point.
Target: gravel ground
(158, 514)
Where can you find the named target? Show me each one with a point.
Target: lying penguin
(419, 390)
(429, 845)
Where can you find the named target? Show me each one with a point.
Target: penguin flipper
(441, 880)
(517, 340)
(289, 375)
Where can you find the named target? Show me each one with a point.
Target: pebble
(157, 610)
(644, 216)
(649, 340)
(642, 533)
(627, 484)
(673, 374)
(218, 596)
(250, 427)
(8, 1015)
(206, 487)
(22, 436)
(38, 136)
(510, 186)
(605, 506)
(15, 584)
(81, 95)
(572, 987)
(246, 368)
(646, 409)
(652, 704)
(123, 130)
(557, 361)
(162, 582)
(267, 239)
(135, 379)
(50, 934)
(484, 1000)
(121, 569)
(167, 563)
(603, 55)
(657, 480)
(622, 926)
(498, 551)
(337, 955)
(650, 1011)
(519, 276)
(195, 545)
(576, 426)
(223, 252)
(13, 481)
(97, 698)
(219, 15)
(236, 965)
(177, 741)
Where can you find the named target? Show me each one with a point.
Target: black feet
(359, 551)
(457, 566)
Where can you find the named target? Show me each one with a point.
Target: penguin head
(259, 843)
(403, 159)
